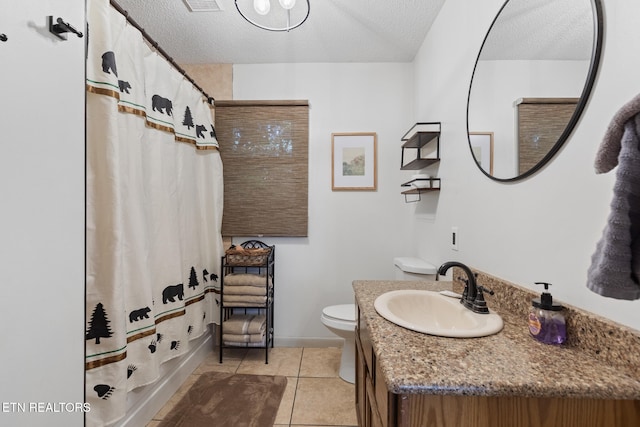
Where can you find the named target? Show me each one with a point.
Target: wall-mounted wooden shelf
(417, 187)
(418, 164)
(424, 138)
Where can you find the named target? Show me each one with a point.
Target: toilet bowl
(341, 320)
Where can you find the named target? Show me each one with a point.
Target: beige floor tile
(286, 405)
(231, 353)
(282, 361)
(324, 401)
(318, 399)
(230, 361)
(320, 362)
(176, 397)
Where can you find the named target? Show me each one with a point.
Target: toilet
(341, 319)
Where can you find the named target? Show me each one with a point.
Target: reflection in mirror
(531, 82)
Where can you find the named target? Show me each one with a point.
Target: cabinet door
(365, 341)
(383, 400)
(361, 392)
(373, 415)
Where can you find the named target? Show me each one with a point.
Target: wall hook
(3, 37)
(60, 28)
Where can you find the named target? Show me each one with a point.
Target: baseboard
(318, 342)
(147, 401)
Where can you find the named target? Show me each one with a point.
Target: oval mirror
(531, 82)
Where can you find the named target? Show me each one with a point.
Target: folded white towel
(238, 300)
(245, 290)
(246, 280)
(242, 324)
(246, 344)
(248, 338)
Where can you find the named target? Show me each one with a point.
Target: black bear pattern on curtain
(154, 212)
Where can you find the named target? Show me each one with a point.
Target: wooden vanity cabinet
(377, 407)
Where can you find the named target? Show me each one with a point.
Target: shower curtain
(154, 214)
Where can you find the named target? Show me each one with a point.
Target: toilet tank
(409, 268)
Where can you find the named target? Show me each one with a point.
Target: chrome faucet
(472, 296)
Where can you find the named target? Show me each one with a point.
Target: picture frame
(482, 147)
(354, 161)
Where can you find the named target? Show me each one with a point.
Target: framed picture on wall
(482, 147)
(353, 161)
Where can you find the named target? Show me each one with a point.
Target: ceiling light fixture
(262, 16)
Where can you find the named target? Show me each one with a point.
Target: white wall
(42, 227)
(546, 227)
(352, 235)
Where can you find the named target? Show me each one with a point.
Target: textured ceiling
(357, 31)
(336, 31)
(542, 29)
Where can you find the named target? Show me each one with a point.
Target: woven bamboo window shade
(541, 121)
(264, 147)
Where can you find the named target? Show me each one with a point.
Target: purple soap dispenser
(546, 319)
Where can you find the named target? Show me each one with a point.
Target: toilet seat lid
(414, 265)
(341, 312)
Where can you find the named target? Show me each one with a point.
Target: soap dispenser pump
(546, 319)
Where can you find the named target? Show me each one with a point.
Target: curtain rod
(155, 45)
(263, 103)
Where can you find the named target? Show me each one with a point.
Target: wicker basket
(247, 257)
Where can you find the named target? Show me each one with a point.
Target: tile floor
(315, 395)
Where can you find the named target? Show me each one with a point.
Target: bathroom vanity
(405, 378)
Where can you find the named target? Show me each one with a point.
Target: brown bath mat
(233, 400)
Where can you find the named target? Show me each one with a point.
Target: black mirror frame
(598, 27)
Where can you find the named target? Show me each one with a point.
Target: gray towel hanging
(615, 265)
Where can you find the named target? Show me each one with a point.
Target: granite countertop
(508, 363)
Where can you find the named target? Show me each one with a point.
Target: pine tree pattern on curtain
(154, 214)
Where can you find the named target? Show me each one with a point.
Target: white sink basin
(434, 314)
